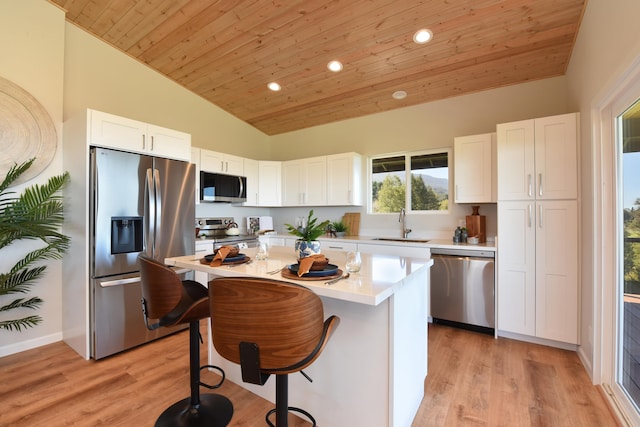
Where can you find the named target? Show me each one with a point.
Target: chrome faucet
(403, 223)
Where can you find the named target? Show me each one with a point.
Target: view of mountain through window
(416, 182)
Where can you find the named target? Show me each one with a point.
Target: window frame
(407, 159)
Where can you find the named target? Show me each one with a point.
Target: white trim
(29, 344)
(622, 93)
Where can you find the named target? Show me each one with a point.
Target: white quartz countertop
(411, 242)
(379, 277)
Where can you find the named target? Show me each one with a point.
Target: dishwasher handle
(462, 253)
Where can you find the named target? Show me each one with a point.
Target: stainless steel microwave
(217, 187)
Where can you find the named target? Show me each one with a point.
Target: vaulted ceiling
(227, 51)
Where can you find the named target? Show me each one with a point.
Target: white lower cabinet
(537, 269)
(398, 250)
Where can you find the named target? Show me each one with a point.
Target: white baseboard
(6, 350)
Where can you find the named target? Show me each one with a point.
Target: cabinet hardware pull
(540, 184)
(540, 216)
(529, 185)
(151, 142)
(530, 215)
(144, 147)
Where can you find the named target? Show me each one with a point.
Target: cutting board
(352, 221)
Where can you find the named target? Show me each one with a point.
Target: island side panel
(408, 352)
(351, 378)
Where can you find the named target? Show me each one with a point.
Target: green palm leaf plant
(312, 231)
(36, 214)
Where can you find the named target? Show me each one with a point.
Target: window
(417, 182)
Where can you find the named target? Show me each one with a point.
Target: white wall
(606, 46)
(31, 42)
(99, 77)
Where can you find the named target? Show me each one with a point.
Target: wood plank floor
(474, 380)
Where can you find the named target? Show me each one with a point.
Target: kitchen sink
(400, 239)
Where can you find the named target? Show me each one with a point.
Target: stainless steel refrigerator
(139, 203)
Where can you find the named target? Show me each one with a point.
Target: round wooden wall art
(26, 131)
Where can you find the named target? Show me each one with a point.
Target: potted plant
(307, 243)
(36, 214)
(340, 228)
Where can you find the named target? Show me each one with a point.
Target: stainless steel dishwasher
(463, 288)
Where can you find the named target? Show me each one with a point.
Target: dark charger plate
(236, 258)
(328, 270)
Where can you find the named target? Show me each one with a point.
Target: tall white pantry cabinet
(538, 228)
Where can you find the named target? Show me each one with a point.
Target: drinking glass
(263, 252)
(353, 262)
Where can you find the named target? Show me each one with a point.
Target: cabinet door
(516, 163)
(474, 169)
(516, 267)
(211, 161)
(108, 130)
(315, 181)
(292, 185)
(270, 188)
(344, 180)
(252, 173)
(556, 270)
(556, 157)
(396, 250)
(169, 143)
(234, 165)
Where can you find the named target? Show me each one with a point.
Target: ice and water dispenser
(126, 234)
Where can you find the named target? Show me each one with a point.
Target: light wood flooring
(474, 380)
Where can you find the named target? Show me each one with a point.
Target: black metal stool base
(292, 409)
(214, 410)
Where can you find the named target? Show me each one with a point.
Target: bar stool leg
(208, 410)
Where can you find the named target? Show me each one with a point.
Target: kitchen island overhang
(372, 371)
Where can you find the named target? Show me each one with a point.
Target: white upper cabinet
(537, 158)
(304, 182)
(212, 161)
(344, 179)
(270, 173)
(111, 131)
(252, 173)
(475, 171)
(263, 182)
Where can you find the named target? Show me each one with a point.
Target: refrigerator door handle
(120, 282)
(149, 212)
(158, 211)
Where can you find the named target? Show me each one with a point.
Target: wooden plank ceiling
(228, 50)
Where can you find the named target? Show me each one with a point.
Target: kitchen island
(373, 368)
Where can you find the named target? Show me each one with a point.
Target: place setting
(312, 267)
(225, 255)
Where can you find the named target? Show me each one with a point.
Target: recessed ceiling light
(335, 66)
(399, 94)
(422, 36)
(274, 86)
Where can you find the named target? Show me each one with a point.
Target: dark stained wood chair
(269, 327)
(168, 301)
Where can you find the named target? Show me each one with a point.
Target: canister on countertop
(476, 225)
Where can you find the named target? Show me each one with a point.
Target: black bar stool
(269, 327)
(169, 301)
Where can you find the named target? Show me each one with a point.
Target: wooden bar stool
(269, 327)
(169, 301)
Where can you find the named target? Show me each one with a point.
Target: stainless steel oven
(215, 229)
